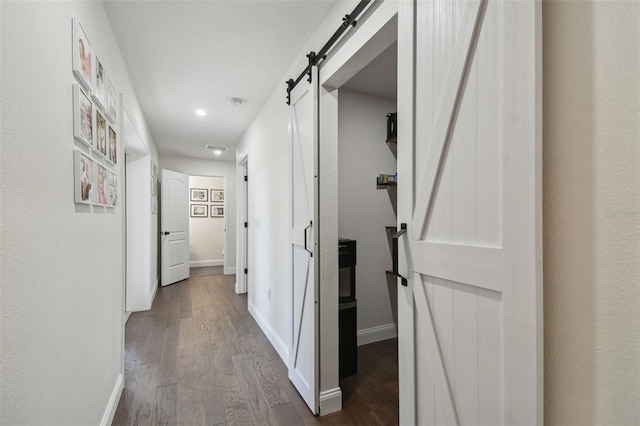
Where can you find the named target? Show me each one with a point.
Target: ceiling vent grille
(216, 147)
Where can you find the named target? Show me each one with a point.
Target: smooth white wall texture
(592, 212)
(363, 210)
(226, 169)
(62, 303)
(206, 234)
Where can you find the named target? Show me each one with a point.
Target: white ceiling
(380, 77)
(183, 55)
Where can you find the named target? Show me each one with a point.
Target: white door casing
(469, 189)
(174, 229)
(304, 349)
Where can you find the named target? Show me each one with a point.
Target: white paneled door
(174, 227)
(304, 349)
(469, 176)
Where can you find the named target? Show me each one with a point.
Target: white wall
(62, 284)
(592, 212)
(226, 169)
(206, 234)
(364, 210)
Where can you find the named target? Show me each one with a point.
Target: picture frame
(101, 131)
(112, 151)
(111, 106)
(217, 211)
(154, 205)
(199, 210)
(198, 194)
(101, 184)
(83, 177)
(154, 170)
(83, 57)
(83, 116)
(217, 196)
(99, 84)
(154, 188)
(112, 192)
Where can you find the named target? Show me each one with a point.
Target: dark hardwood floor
(198, 358)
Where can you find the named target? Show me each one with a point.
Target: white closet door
(304, 349)
(470, 149)
(174, 227)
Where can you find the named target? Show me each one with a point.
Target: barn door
(303, 127)
(471, 314)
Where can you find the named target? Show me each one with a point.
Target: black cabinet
(348, 339)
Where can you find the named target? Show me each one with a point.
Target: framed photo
(111, 106)
(101, 185)
(199, 194)
(83, 177)
(99, 92)
(217, 211)
(82, 56)
(112, 193)
(217, 196)
(82, 116)
(113, 146)
(154, 188)
(100, 126)
(154, 205)
(199, 210)
(154, 170)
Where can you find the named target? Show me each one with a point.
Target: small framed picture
(154, 205)
(99, 93)
(111, 106)
(154, 188)
(217, 196)
(82, 116)
(83, 177)
(199, 194)
(101, 185)
(100, 126)
(82, 56)
(199, 210)
(113, 146)
(113, 190)
(217, 211)
(154, 170)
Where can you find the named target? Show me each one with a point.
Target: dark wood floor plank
(268, 381)
(186, 343)
(142, 406)
(258, 403)
(169, 356)
(235, 401)
(165, 406)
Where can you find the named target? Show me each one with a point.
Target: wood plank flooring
(198, 358)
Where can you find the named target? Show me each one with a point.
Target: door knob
(165, 233)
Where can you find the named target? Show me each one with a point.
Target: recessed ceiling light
(217, 152)
(200, 112)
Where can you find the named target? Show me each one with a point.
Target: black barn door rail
(315, 58)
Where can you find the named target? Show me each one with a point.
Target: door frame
(375, 32)
(242, 215)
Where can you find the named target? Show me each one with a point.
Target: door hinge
(246, 224)
(246, 178)
(246, 271)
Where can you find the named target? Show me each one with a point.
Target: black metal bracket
(313, 61)
(290, 85)
(396, 237)
(305, 238)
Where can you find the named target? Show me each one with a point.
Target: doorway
(207, 225)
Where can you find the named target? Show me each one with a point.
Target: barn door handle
(305, 238)
(396, 237)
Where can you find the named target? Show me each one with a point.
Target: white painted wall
(206, 234)
(592, 212)
(364, 210)
(62, 303)
(213, 168)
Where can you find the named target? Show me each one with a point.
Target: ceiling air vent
(216, 148)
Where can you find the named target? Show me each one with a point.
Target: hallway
(198, 358)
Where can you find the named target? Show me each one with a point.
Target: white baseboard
(154, 290)
(376, 334)
(112, 405)
(230, 271)
(273, 337)
(203, 263)
(330, 401)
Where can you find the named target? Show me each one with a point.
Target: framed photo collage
(94, 126)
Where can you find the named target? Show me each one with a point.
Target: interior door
(303, 127)
(469, 179)
(174, 229)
